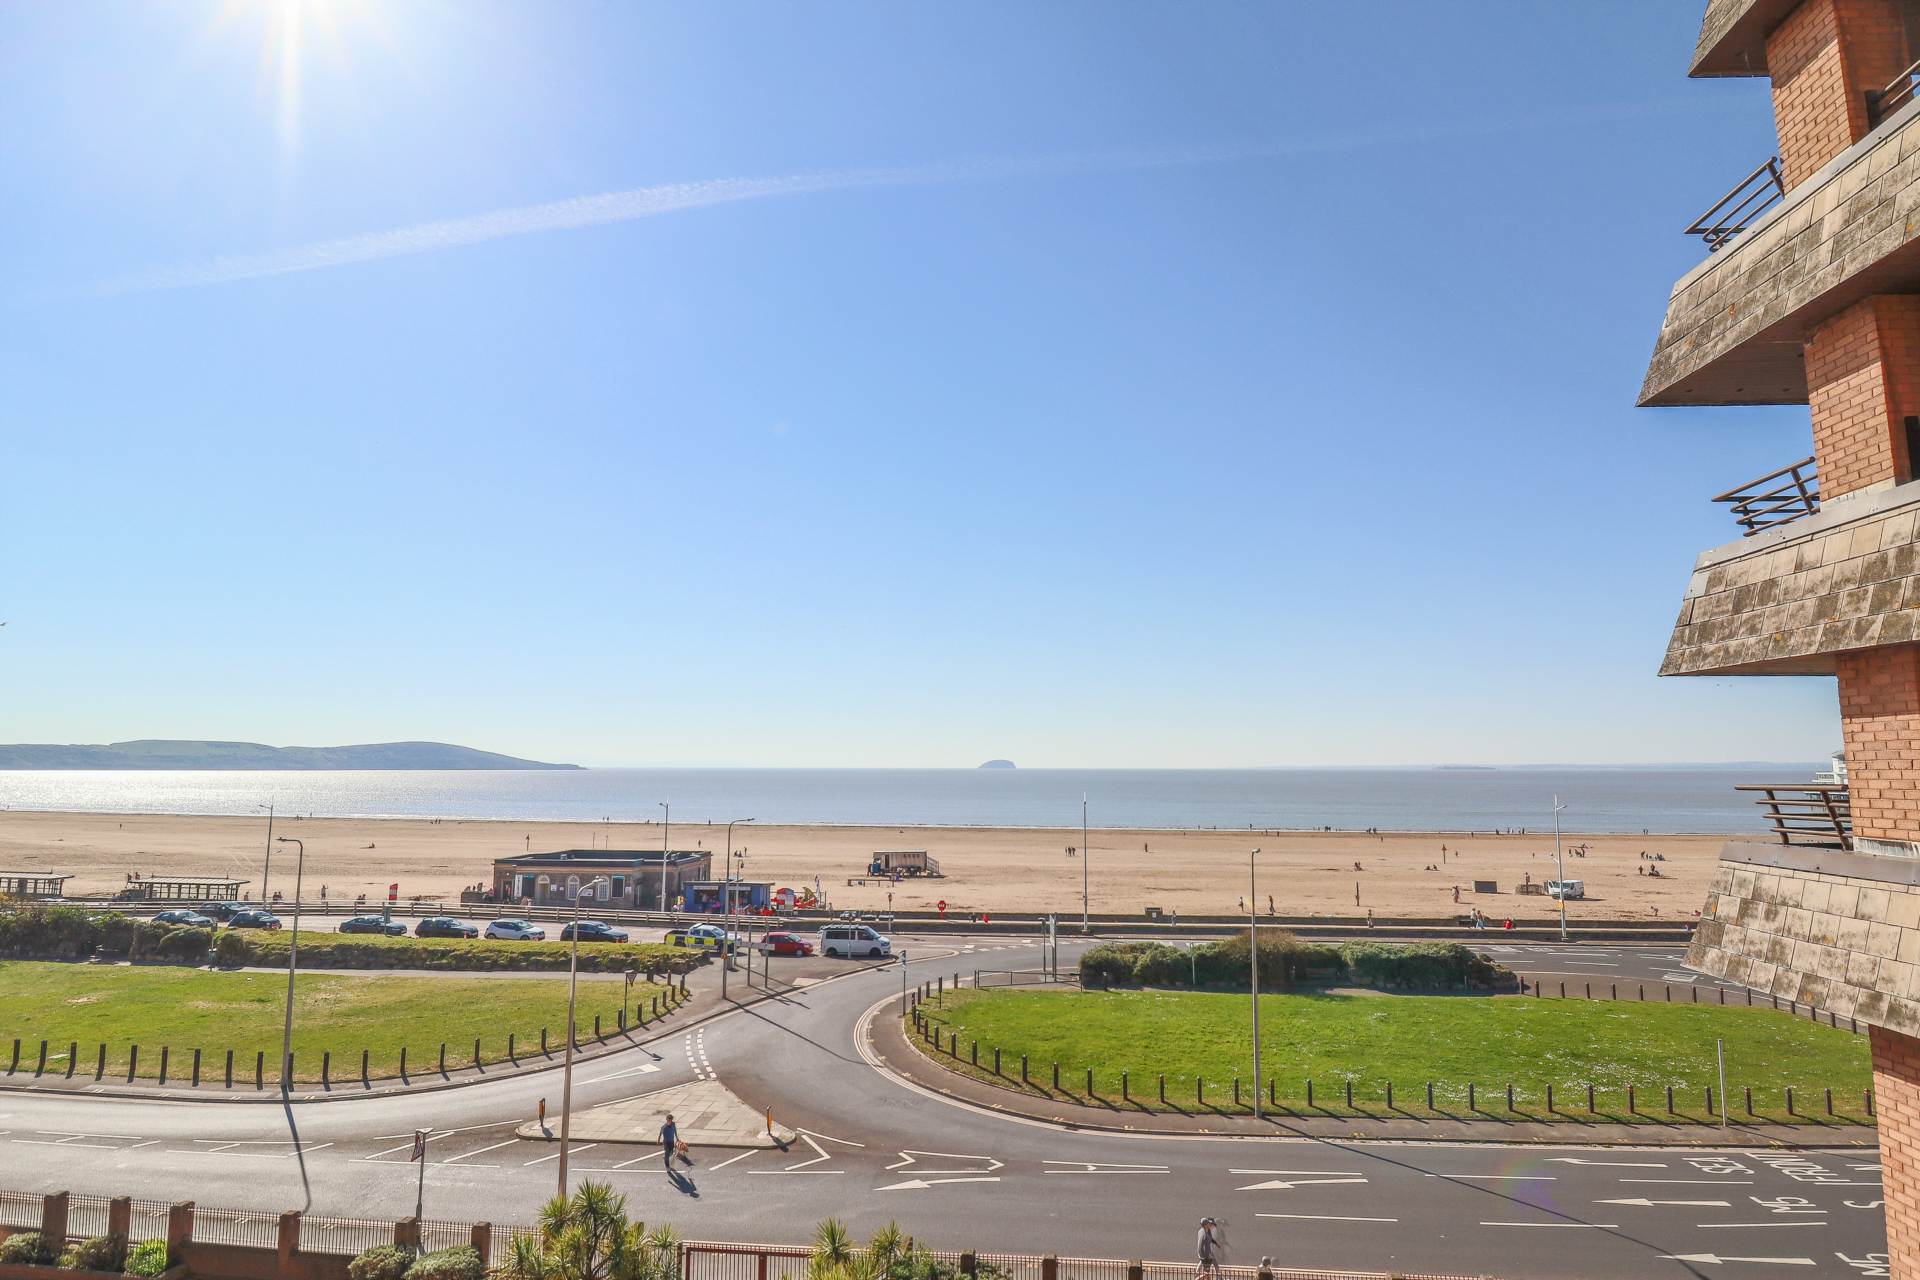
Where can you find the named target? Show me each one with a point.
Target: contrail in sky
(676, 197)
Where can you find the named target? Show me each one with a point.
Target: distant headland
(998, 764)
(171, 753)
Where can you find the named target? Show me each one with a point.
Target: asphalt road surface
(873, 1148)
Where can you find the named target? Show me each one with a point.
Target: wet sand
(1009, 870)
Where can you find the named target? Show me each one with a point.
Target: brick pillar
(1880, 720)
(1863, 381)
(289, 1240)
(1824, 59)
(179, 1229)
(53, 1220)
(1896, 1089)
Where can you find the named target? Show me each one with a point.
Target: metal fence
(1739, 208)
(338, 1235)
(87, 1215)
(148, 1221)
(19, 1209)
(239, 1226)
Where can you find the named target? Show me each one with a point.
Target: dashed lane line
(584, 1146)
(1323, 1217)
(731, 1159)
(464, 1155)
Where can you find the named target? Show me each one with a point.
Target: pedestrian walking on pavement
(1209, 1248)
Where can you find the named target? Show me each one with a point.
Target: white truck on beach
(1565, 889)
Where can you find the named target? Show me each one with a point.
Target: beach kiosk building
(1808, 293)
(633, 876)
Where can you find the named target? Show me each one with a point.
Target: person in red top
(1508, 924)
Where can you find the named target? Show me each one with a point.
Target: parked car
(710, 937)
(593, 931)
(444, 927)
(250, 918)
(785, 944)
(516, 931)
(192, 919)
(373, 924)
(226, 910)
(1564, 889)
(853, 940)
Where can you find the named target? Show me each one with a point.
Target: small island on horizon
(998, 764)
(178, 753)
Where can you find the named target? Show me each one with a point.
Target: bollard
(1790, 1110)
(229, 1069)
(1090, 1092)
(1389, 1095)
(326, 1069)
(1056, 1078)
(403, 1064)
(1429, 1095)
(1829, 1101)
(1749, 1098)
(1868, 1098)
(196, 1068)
(1509, 1095)
(1589, 991)
(1472, 1104)
(1236, 1091)
(443, 1057)
(596, 1028)
(1199, 1091)
(973, 1052)
(1613, 992)
(1590, 1110)
(512, 1057)
(1723, 995)
(1669, 990)
(165, 1050)
(73, 1059)
(40, 1067)
(1710, 1110)
(1696, 992)
(1563, 991)
(260, 1069)
(1550, 1110)
(133, 1061)
(543, 1040)
(1349, 1095)
(1669, 1099)
(15, 1064)
(364, 1081)
(996, 1062)
(1163, 1091)
(100, 1064)
(1643, 993)
(1309, 1090)
(476, 1053)
(1273, 1092)
(1630, 1106)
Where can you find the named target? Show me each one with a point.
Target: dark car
(593, 931)
(226, 910)
(192, 919)
(444, 927)
(373, 924)
(250, 919)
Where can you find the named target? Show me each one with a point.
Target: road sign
(942, 905)
(419, 1145)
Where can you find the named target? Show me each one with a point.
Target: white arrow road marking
(1324, 1173)
(645, 1068)
(1278, 1185)
(1648, 1204)
(1080, 1166)
(1691, 1182)
(1608, 1225)
(1605, 1164)
(827, 1137)
(921, 1184)
(730, 1159)
(909, 1157)
(1497, 1177)
(1714, 1259)
(1323, 1217)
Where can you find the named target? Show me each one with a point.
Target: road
(872, 1148)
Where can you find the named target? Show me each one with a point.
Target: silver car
(516, 931)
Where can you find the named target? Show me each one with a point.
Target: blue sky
(1150, 385)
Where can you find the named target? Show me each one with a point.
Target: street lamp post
(1253, 963)
(267, 870)
(293, 966)
(1560, 867)
(666, 851)
(726, 887)
(1086, 873)
(566, 1072)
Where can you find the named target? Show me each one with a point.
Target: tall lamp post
(726, 887)
(267, 870)
(666, 850)
(1086, 873)
(566, 1072)
(1253, 963)
(293, 967)
(1560, 867)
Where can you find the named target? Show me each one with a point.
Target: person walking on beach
(669, 1141)
(1209, 1249)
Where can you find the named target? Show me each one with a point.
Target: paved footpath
(870, 1147)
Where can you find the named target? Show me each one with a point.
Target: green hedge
(1284, 958)
(255, 948)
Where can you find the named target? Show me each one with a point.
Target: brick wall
(1863, 379)
(1896, 1089)
(1880, 721)
(1823, 59)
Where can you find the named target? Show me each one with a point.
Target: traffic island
(706, 1112)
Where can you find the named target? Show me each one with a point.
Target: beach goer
(1369, 917)
(669, 1141)
(1508, 924)
(1456, 895)
(1208, 1246)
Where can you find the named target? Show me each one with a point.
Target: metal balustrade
(1777, 498)
(1736, 211)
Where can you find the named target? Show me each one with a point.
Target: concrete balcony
(1733, 37)
(1786, 599)
(1735, 323)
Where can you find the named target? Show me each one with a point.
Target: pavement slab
(707, 1112)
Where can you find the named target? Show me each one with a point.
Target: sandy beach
(986, 869)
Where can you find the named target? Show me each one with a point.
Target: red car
(785, 944)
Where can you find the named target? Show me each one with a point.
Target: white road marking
(1759, 1224)
(808, 1138)
(1323, 1217)
(1082, 1166)
(482, 1151)
(1713, 1259)
(921, 1184)
(1278, 1185)
(1604, 1164)
(585, 1146)
(645, 1068)
(1693, 1182)
(908, 1157)
(408, 1145)
(730, 1159)
(824, 1137)
(1648, 1204)
(1598, 1225)
(1496, 1177)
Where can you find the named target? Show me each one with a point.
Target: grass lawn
(186, 1009)
(1409, 1041)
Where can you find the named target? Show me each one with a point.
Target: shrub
(382, 1262)
(1228, 963)
(25, 1246)
(462, 1262)
(1424, 964)
(1111, 962)
(188, 944)
(148, 1258)
(232, 950)
(101, 1253)
(1160, 965)
(358, 951)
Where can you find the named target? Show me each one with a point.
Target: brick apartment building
(1809, 293)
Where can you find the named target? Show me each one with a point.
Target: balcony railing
(1815, 813)
(1736, 210)
(1882, 103)
(1777, 498)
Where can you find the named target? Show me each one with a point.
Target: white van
(853, 940)
(1565, 889)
